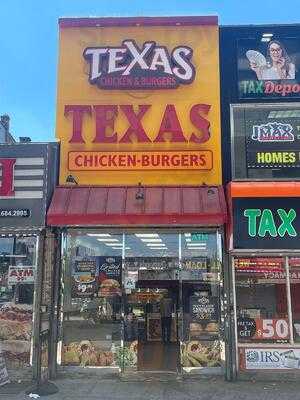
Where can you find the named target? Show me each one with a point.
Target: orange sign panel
(139, 160)
(136, 96)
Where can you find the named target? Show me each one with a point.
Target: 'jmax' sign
(131, 67)
(266, 223)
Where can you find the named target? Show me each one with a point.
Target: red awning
(123, 205)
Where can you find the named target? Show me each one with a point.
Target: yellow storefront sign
(138, 101)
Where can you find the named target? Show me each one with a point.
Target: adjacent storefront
(140, 204)
(27, 183)
(265, 259)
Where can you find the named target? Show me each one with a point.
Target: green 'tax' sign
(269, 222)
(266, 223)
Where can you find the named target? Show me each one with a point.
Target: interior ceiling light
(187, 235)
(99, 234)
(155, 244)
(107, 240)
(267, 35)
(195, 243)
(114, 244)
(147, 235)
(265, 39)
(119, 248)
(151, 240)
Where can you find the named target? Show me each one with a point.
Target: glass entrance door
(151, 285)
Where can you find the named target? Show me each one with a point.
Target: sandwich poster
(84, 282)
(268, 68)
(109, 276)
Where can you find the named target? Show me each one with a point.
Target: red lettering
(145, 160)
(200, 122)
(104, 121)
(170, 124)
(194, 160)
(185, 160)
(278, 88)
(78, 161)
(296, 88)
(122, 161)
(28, 272)
(112, 160)
(78, 113)
(135, 127)
(7, 185)
(202, 160)
(101, 161)
(165, 160)
(269, 87)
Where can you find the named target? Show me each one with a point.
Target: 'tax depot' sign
(139, 103)
(266, 223)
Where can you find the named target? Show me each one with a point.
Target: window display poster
(84, 277)
(268, 69)
(263, 329)
(109, 275)
(204, 308)
(270, 358)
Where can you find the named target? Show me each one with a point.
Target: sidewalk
(189, 389)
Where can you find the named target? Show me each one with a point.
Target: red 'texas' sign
(7, 184)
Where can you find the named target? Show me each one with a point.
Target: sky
(29, 45)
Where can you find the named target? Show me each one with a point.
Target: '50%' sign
(263, 329)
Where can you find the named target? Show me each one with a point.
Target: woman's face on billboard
(275, 51)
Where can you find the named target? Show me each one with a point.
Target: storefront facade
(140, 203)
(27, 184)
(261, 109)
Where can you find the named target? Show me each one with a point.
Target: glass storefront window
(92, 299)
(294, 275)
(201, 279)
(18, 261)
(261, 300)
(131, 299)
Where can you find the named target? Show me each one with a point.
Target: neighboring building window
(264, 311)
(265, 141)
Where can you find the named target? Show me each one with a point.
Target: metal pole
(54, 316)
(36, 359)
(288, 296)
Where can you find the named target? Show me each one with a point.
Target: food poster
(109, 275)
(15, 334)
(204, 315)
(100, 354)
(201, 354)
(84, 284)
